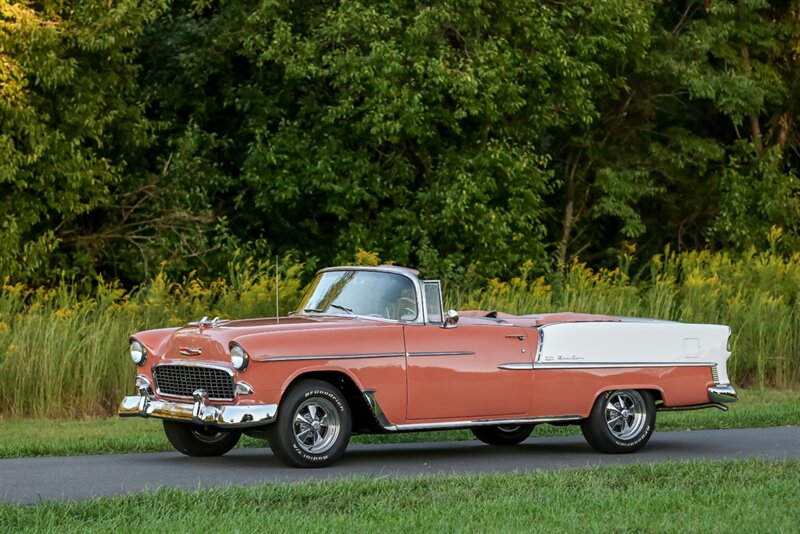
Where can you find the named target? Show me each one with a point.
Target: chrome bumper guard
(722, 394)
(199, 412)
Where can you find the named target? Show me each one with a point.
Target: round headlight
(138, 352)
(239, 357)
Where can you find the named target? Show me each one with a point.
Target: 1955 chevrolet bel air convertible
(370, 349)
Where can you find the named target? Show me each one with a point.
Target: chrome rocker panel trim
(722, 394)
(717, 405)
(199, 412)
(448, 425)
(380, 417)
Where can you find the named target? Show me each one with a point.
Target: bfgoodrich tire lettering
(621, 421)
(199, 440)
(313, 425)
(502, 435)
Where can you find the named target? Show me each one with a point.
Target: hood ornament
(191, 351)
(206, 323)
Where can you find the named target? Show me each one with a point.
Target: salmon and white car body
(371, 350)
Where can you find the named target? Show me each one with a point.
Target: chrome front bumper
(722, 394)
(199, 412)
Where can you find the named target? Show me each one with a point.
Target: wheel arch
(363, 420)
(655, 391)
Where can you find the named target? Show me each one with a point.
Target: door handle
(521, 337)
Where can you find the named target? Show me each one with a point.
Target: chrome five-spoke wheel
(620, 421)
(626, 414)
(316, 425)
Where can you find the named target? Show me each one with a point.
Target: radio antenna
(277, 306)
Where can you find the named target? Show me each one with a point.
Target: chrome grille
(183, 380)
(714, 374)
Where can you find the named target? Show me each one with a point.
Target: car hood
(211, 344)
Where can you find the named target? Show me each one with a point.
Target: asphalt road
(32, 480)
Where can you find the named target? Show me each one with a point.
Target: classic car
(371, 350)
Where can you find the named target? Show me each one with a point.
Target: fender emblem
(187, 351)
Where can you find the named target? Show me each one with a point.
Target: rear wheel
(621, 421)
(313, 425)
(199, 440)
(503, 434)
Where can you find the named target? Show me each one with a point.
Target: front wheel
(199, 440)
(503, 434)
(313, 425)
(621, 421)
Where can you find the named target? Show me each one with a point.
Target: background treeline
(145, 136)
(68, 353)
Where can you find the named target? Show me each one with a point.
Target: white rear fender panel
(634, 343)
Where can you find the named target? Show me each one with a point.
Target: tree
(67, 121)
(421, 134)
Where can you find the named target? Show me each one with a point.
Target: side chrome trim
(723, 394)
(377, 412)
(605, 365)
(331, 357)
(516, 366)
(444, 353)
(380, 417)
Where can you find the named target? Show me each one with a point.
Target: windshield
(368, 293)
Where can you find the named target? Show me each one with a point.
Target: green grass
(703, 496)
(49, 437)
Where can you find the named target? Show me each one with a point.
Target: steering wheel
(406, 306)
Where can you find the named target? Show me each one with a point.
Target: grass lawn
(703, 496)
(46, 437)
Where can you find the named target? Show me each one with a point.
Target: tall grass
(63, 354)
(757, 295)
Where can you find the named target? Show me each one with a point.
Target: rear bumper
(199, 411)
(722, 394)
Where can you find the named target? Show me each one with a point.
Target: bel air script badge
(563, 358)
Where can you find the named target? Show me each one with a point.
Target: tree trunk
(569, 210)
(755, 125)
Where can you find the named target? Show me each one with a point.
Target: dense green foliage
(145, 134)
(21, 438)
(63, 353)
(748, 496)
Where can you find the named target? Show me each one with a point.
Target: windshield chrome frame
(389, 269)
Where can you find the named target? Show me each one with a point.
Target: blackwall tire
(313, 425)
(621, 421)
(199, 440)
(503, 435)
